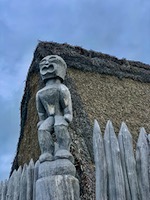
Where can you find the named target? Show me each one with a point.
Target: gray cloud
(104, 25)
(119, 28)
(9, 123)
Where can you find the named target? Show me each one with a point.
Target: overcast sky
(116, 27)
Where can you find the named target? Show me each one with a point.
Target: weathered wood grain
(35, 178)
(122, 133)
(4, 190)
(116, 186)
(142, 162)
(30, 178)
(100, 163)
(128, 162)
(23, 184)
(57, 187)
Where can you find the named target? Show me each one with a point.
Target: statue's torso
(50, 99)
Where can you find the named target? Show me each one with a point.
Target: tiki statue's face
(52, 66)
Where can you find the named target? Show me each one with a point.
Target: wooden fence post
(23, 184)
(17, 183)
(36, 167)
(128, 162)
(142, 153)
(100, 162)
(116, 188)
(30, 178)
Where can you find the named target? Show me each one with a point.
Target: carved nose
(47, 62)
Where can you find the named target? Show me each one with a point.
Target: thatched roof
(101, 87)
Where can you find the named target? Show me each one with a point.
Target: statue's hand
(39, 123)
(68, 117)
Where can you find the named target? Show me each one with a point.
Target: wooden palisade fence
(119, 174)
(21, 184)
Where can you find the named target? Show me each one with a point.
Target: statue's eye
(44, 69)
(51, 67)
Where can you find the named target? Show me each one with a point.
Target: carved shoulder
(39, 91)
(64, 89)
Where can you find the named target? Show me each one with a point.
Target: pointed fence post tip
(125, 133)
(96, 127)
(109, 130)
(109, 123)
(142, 140)
(123, 128)
(108, 127)
(19, 171)
(142, 130)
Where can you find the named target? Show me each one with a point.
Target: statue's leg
(64, 141)
(45, 138)
(63, 137)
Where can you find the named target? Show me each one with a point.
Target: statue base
(56, 167)
(58, 187)
(56, 181)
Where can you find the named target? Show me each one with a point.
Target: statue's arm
(40, 110)
(66, 103)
